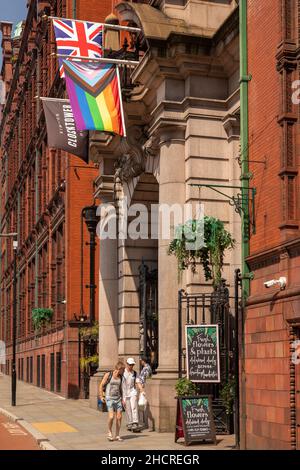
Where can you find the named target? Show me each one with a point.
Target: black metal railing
(148, 296)
(212, 308)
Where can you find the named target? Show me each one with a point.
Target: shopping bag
(142, 403)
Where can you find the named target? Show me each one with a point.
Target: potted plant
(215, 241)
(227, 395)
(184, 387)
(41, 317)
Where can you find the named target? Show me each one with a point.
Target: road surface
(14, 437)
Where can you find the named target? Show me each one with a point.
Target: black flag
(61, 129)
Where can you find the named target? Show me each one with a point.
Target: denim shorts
(114, 404)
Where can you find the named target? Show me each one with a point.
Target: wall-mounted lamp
(80, 318)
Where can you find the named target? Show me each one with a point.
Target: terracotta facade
(43, 192)
(271, 412)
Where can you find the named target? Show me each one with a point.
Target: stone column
(108, 305)
(171, 191)
(108, 311)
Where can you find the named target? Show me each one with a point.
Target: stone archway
(141, 246)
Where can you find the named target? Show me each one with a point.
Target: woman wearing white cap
(130, 395)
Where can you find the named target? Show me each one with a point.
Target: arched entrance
(138, 259)
(148, 296)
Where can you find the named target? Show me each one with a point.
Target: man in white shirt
(130, 395)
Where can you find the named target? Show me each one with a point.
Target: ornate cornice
(286, 55)
(102, 145)
(257, 261)
(104, 188)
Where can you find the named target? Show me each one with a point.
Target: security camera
(281, 282)
(269, 284)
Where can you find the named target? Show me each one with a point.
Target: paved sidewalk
(73, 425)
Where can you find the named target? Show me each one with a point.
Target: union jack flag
(77, 38)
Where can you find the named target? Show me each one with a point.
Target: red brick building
(271, 413)
(43, 192)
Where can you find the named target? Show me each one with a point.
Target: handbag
(142, 403)
(102, 405)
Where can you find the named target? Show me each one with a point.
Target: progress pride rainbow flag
(95, 96)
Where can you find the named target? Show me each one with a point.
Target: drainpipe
(244, 79)
(74, 7)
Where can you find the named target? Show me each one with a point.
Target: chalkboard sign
(203, 356)
(195, 420)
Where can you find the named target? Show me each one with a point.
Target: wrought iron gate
(148, 297)
(88, 345)
(214, 308)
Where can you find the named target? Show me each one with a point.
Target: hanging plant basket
(85, 362)
(210, 253)
(41, 317)
(90, 333)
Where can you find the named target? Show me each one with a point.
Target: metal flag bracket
(240, 201)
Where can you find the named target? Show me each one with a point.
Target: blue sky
(14, 11)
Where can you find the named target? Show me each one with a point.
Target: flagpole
(46, 98)
(100, 59)
(121, 103)
(106, 25)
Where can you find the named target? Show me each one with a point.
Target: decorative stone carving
(135, 151)
(151, 147)
(128, 166)
(231, 124)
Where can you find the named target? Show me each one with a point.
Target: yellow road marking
(53, 427)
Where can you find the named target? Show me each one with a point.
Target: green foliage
(41, 317)
(89, 336)
(186, 404)
(227, 395)
(195, 402)
(90, 332)
(191, 333)
(85, 362)
(185, 387)
(211, 256)
(211, 332)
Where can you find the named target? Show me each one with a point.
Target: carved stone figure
(135, 151)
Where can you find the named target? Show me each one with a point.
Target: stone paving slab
(36, 405)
